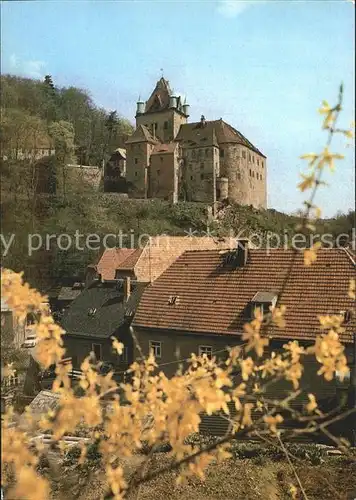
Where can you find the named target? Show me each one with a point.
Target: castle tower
(163, 113)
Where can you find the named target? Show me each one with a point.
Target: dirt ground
(235, 479)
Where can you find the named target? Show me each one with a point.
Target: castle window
(165, 125)
(262, 164)
(136, 161)
(244, 154)
(221, 153)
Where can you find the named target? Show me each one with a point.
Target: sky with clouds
(263, 66)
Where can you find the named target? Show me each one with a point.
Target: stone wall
(200, 172)
(247, 172)
(74, 178)
(162, 176)
(136, 168)
(167, 123)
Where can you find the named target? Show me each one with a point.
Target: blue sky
(262, 66)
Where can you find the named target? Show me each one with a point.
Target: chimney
(242, 251)
(127, 288)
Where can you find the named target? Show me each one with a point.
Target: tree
(62, 133)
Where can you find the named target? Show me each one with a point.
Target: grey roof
(44, 401)
(69, 293)
(110, 311)
(264, 297)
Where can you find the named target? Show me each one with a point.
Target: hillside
(101, 214)
(29, 106)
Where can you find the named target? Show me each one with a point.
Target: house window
(165, 125)
(221, 153)
(262, 164)
(250, 172)
(207, 350)
(30, 319)
(156, 348)
(258, 162)
(249, 157)
(123, 358)
(244, 154)
(253, 159)
(96, 348)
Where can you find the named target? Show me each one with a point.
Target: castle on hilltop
(205, 161)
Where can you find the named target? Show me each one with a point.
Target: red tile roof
(131, 261)
(213, 298)
(110, 260)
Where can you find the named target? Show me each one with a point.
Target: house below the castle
(206, 161)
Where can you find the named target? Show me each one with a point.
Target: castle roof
(160, 149)
(141, 134)
(159, 99)
(198, 134)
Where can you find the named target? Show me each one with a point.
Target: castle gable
(159, 99)
(141, 134)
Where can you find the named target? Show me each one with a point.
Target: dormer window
(263, 301)
(91, 311)
(173, 299)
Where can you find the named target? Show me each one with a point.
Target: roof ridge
(349, 255)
